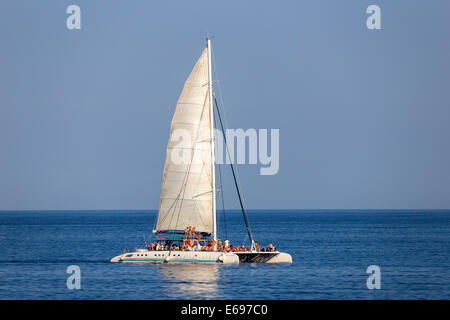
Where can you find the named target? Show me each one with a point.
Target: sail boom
(180, 232)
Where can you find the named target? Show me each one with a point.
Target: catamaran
(188, 195)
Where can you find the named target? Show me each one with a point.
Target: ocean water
(331, 251)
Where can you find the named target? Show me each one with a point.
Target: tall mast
(211, 116)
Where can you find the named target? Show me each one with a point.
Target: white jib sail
(187, 188)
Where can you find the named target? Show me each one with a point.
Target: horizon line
(238, 209)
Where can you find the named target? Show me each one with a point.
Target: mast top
(208, 38)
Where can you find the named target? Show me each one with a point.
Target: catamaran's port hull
(144, 256)
(264, 257)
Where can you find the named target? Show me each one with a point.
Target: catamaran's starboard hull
(202, 257)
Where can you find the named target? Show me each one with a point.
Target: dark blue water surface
(331, 252)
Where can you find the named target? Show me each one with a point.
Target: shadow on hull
(263, 257)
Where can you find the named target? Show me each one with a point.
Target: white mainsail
(187, 195)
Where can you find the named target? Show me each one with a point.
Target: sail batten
(186, 196)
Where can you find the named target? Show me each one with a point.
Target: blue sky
(363, 114)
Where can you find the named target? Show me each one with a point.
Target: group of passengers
(269, 248)
(184, 246)
(190, 233)
(210, 245)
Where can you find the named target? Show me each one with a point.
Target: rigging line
(163, 219)
(201, 194)
(194, 201)
(186, 177)
(223, 202)
(156, 220)
(245, 238)
(220, 96)
(197, 211)
(223, 108)
(155, 224)
(234, 176)
(221, 193)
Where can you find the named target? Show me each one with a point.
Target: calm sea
(331, 252)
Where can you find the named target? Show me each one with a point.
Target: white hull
(281, 258)
(177, 256)
(201, 257)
